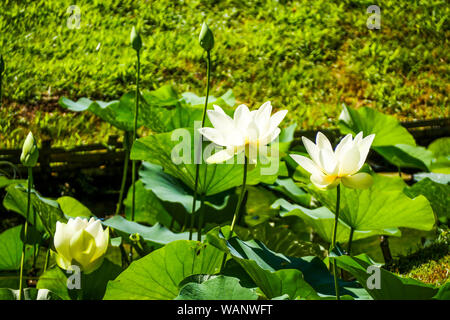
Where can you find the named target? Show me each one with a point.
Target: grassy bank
(307, 56)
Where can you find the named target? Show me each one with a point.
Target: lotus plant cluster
(169, 193)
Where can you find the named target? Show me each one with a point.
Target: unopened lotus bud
(135, 39)
(206, 37)
(30, 152)
(82, 243)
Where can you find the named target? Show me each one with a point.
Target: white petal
(358, 138)
(269, 137)
(219, 109)
(75, 225)
(322, 142)
(276, 119)
(342, 144)
(328, 161)
(312, 149)
(262, 117)
(253, 132)
(242, 116)
(364, 147)
(102, 242)
(323, 181)
(61, 240)
(221, 121)
(221, 156)
(306, 164)
(348, 161)
(360, 180)
(95, 229)
(213, 135)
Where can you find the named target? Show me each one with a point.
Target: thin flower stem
(125, 171)
(199, 148)
(47, 258)
(201, 219)
(241, 197)
(350, 239)
(238, 208)
(25, 239)
(333, 243)
(133, 164)
(35, 248)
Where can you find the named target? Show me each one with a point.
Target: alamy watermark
(374, 20)
(74, 20)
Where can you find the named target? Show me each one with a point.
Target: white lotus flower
(247, 131)
(81, 242)
(328, 168)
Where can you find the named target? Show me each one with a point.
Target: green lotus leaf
(158, 274)
(216, 288)
(322, 221)
(391, 286)
(383, 206)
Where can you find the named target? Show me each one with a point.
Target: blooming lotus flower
(328, 168)
(81, 242)
(247, 131)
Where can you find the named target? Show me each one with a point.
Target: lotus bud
(82, 243)
(135, 39)
(206, 37)
(30, 152)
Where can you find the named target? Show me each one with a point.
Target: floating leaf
(299, 277)
(216, 288)
(92, 286)
(436, 193)
(382, 206)
(11, 249)
(322, 221)
(158, 274)
(391, 287)
(157, 235)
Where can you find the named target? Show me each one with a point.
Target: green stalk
(350, 239)
(1, 80)
(133, 167)
(201, 219)
(238, 208)
(199, 147)
(47, 258)
(22, 259)
(333, 243)
(125, 171)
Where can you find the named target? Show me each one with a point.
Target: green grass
(430, 264)
(307, 56)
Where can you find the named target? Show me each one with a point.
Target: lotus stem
(47, 258)
(201, 219)
(333, 243)
(350, 239)
(238, 208)
(199, 148)
(125, 171)
(133, 164)
(25, 239)
(241, 197)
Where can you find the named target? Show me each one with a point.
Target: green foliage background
(307, 56)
